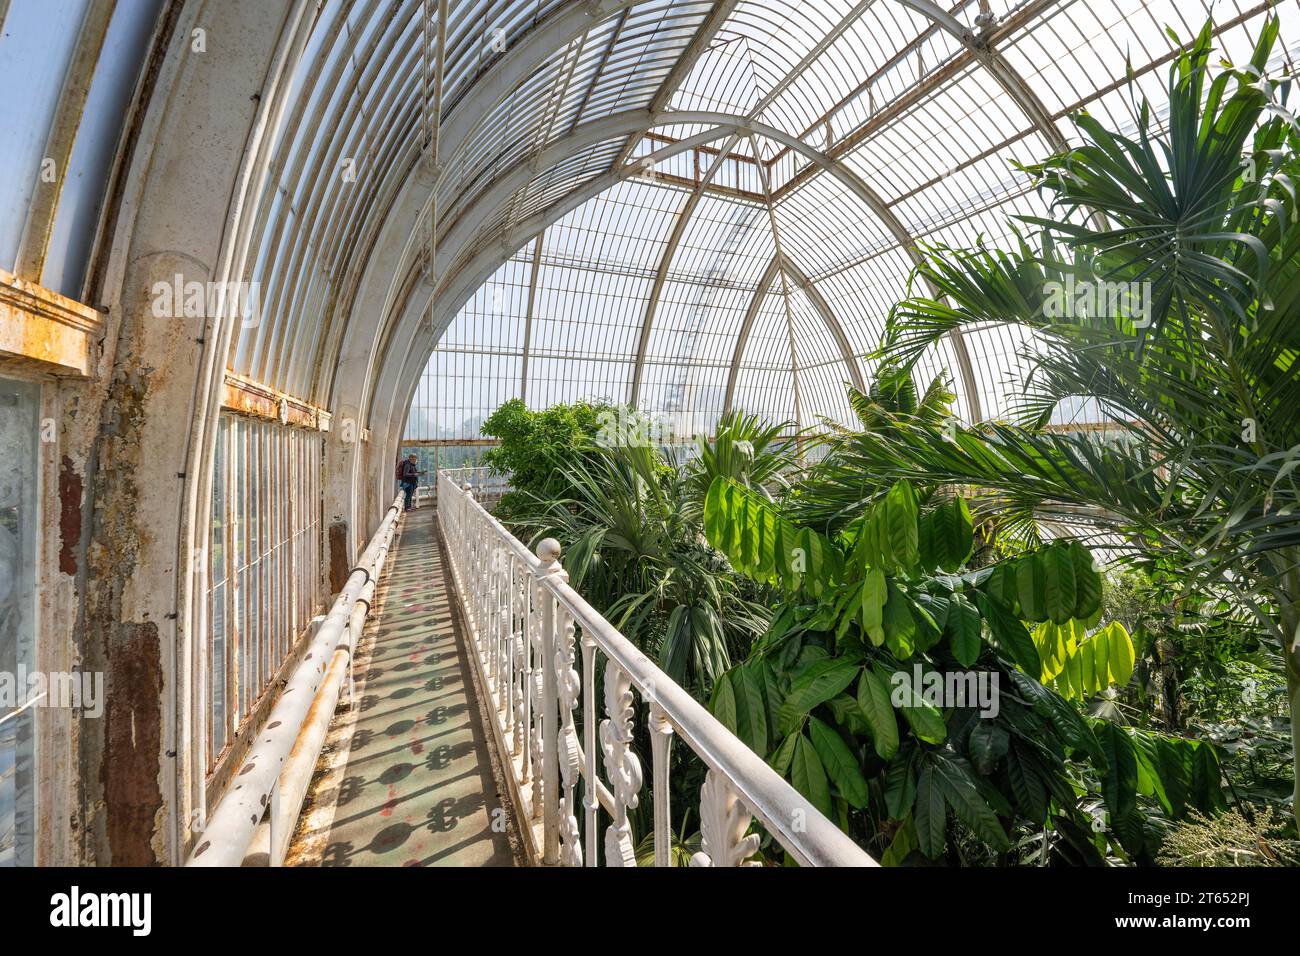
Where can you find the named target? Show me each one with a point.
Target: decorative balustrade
(487, 484)
(527, 628)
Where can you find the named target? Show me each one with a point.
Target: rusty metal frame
(258, 400)
(45, 332)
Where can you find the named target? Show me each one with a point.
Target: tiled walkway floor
(406, 777)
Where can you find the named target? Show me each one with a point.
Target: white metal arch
(461, 281)
(684, 217)
(517, 62)
(356, 369)
(746, 324)
(543, 40)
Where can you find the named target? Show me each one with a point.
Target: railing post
(568, 688)
(508, 647)
(622, 765)
(661, 738)
(548, 551)
(474, 580)
(590, 799)
(519, 662)
(505, 628)
(527, 629)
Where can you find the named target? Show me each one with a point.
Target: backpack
(401, 462)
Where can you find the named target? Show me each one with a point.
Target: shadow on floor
(407, 777)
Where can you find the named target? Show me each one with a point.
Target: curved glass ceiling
(682, 204)
(755, 269)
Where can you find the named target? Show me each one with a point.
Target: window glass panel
(265, 503)
(38, 40)
(217, 574)
(19, 430)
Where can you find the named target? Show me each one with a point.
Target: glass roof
(738, 273)
(686, 205)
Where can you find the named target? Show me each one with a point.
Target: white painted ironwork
(532, 714)
(231, 827)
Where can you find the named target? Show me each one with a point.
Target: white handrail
(524, 622)
(256, 788)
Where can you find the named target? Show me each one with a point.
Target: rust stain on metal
(46, 331)
(133, 729)
(70, 491)
(133, 734)
(123, 800)
(340, 563)
(241, 394)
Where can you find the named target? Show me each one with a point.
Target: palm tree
(634, 547)
(747, 449)
(1196, 360)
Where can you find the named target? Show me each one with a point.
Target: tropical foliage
(903, 693)
(630, 531)
(1198, 212)
(916, 630)
(535, 447)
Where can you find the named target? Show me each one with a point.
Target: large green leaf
(750, 707)
(951, 534)
(784, 756)
(1010, 634)
(1173, 764)
(961, 793)
(963, 629)
(1001, 584)
(899, 623)
(1087, 582)
(1059, 594)
(762, 544)
(840, 764)
(1031, 587)
(808, 775)
(1082, 665)
(988, 744)
(901, 520)
(1206, 788)
(723, 704)
(1121, 654)
(930, 813)
(904, 842)
(1119, 783)
(1026, 785)
(821, 681)
(1056, 644)
(900, 786)
(925, 719)
(873, 702)
(875, 591)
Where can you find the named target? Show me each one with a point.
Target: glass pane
(19, 428)
(217, 602)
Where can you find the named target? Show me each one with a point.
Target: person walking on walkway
(408, 474)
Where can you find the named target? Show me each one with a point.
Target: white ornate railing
(487, 484)
(525, 623)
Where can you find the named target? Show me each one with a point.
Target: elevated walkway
(408, 775)
(480, 722)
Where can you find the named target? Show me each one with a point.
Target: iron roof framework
(685, 205)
